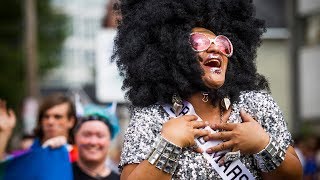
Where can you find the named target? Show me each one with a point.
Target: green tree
(51, 34)
(52, 30)
(11, 68)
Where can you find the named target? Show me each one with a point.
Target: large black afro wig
(156, 60)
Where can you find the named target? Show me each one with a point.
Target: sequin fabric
(146, 124)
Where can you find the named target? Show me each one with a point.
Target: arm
(251, 136)
(7, 124)
(4, 139)
(143, 171)
(55, 142)
(290, 168)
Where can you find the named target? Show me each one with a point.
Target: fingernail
(209, 151)
(206, 123)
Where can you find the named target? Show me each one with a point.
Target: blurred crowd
(308, 150)
(88, 138)
(85, 134)
(88, 132)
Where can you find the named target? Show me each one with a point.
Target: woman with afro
(199, 108)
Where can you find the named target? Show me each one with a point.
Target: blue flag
(38, 164)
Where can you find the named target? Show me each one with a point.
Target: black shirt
(78, 174)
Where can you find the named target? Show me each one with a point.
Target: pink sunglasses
(200, 42)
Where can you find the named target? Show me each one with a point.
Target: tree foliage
(51, 33)
(11, 36)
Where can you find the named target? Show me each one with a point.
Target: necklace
(205, 97)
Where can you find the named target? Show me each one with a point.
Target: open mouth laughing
(214, 62)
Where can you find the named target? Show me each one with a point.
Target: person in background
(56, 121)
(308, 148)
(107, 35)
(93, 134)
(25, 143)
(299, 147)
(110, 20)
(7, 124)
(113, 159)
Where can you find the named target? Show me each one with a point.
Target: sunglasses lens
(224, 45)
(199, 42)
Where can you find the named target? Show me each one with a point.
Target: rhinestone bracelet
(165, 155)
(271, 156)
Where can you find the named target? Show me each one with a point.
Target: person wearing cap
(93, 134)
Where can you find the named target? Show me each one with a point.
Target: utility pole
(31, 53)
(30, 38)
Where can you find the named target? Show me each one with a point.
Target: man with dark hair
(56, 120)
(54, 127)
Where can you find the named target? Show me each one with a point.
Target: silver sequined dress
(146, 124)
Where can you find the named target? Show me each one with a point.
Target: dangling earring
(205, 97)
(177, 104)
(225, 103)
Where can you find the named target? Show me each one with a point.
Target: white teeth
(213, 58)
(215, 70)
(213, 62)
